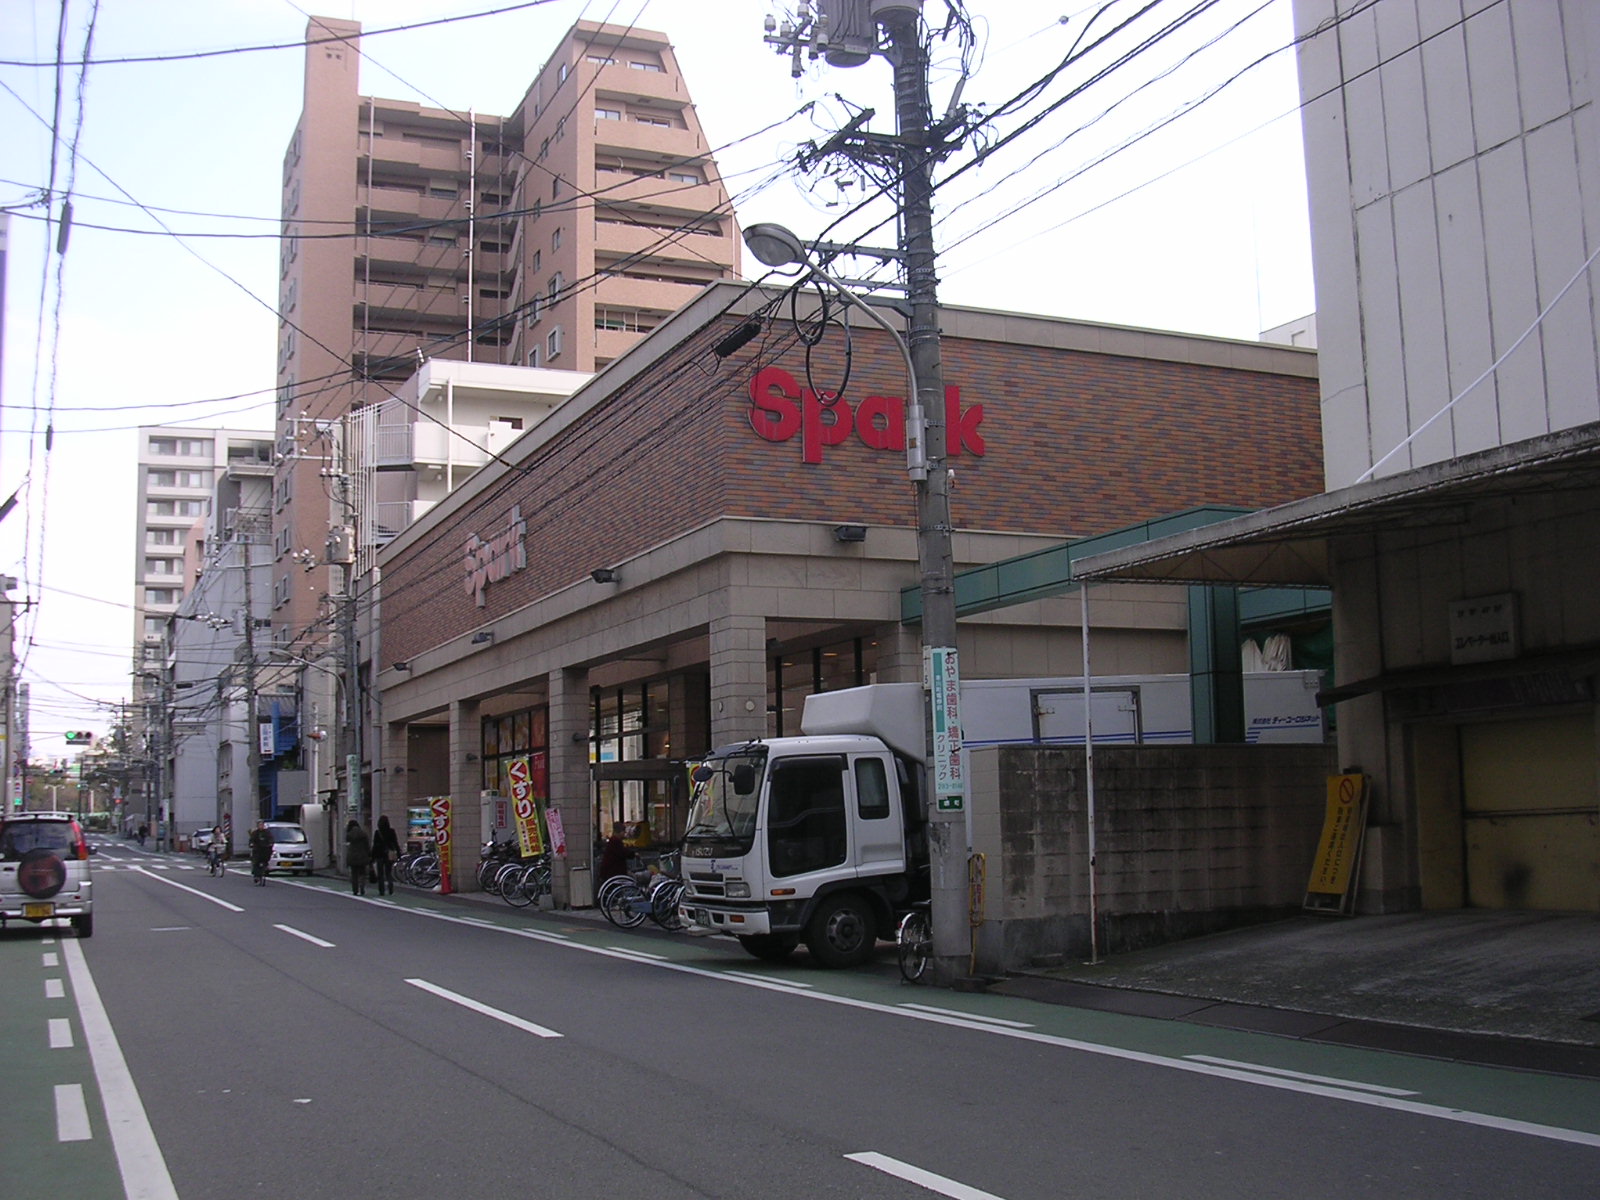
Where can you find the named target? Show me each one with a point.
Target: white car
(291, 849)
(44, 870)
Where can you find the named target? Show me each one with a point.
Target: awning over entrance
(1288, 545)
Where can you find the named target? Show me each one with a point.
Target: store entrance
(649, 797)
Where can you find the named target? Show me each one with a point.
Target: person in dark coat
(385, 850)
(358, 853)
(260, 852)
(613, 856)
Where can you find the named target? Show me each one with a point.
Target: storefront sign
(1483, 629)
(500, 556)
(525, 807)
(781, 408)
(439, 809)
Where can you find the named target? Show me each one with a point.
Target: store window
(796, 674)
(522, 734)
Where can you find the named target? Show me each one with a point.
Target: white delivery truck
(821, 838)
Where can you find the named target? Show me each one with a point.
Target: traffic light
(79, 737)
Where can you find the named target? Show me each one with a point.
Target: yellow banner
(525, 806)
(1342, 828)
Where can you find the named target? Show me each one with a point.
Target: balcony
(631, 137)
(393, 516)
(623, 82)
(429, 444)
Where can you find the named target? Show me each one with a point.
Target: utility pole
(846, 32)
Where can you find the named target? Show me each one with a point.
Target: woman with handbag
(385, 852)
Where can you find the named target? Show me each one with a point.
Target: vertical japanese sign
(525, 807)
(949, 769)
(1339, 849)
(555, 831)
(443, 832)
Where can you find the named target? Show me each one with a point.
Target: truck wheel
(84, 925)
(843, 931)
(769, 947)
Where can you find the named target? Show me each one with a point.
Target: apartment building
(553, 237)
(180, 469)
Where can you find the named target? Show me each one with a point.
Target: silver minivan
(44, 870)
(291, 849)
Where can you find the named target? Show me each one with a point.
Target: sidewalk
(1503, 988)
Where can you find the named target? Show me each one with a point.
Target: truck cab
(818, 838)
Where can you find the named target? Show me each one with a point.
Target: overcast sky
(1168, 193)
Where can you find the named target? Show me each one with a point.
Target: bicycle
(214, 862)
(914, 943)
(520, 884)
(626, 903)
(258, 871)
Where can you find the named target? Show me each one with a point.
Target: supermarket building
(694, 541)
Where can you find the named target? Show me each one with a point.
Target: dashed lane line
(72, 1114)
(477, 1006)
(144, 1170)
(941, 1184)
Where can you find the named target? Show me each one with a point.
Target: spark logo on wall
(499, 557)
(781, 408)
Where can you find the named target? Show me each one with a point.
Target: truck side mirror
(744, 779)
(702, 773)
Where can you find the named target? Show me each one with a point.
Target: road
(217, 1040)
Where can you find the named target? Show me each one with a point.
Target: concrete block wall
(1189, 840)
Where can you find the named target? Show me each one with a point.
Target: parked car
(44, 870)
(200, 840)
(291, 849)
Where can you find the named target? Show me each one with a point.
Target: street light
(778, 246)
(949, 820)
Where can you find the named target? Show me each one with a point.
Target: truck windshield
(719, 812)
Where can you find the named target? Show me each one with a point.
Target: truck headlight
(737, 891)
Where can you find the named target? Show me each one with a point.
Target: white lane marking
(1350, 1083)
(72, 1114)
(477, 1007)
(916, 1175)
(49, 960)
(767, 979)
(171, 928)
(144, 1171)
(1346, 1094)
(632, 953)
(184, 887)
(952, 1012)
(53, 989)
(315, 941)
(60, 1033)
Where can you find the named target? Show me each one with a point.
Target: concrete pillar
(738, 678)
(686, 715)
(571, 792)
(900, 653)
(392, 790)
(466, 782)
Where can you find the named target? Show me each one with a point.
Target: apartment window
(555, 286)
(533, 357)
(162, 595)
(154, 626)
(441, 239)
(163, 566)
(630, 320)
(493, 293)
(163, 479)
(561, 75)
(440, 192)
(175, 508)
(533, 310)
(648, 66)
(552, 343)
(537, 257)
(561, 129)
(280, 591)
(180, 447)
(544, 149)
(188, 479)
(601, 60)
(493, 247)
(161, 537)
(684, 177)
(492, 197)
(555, 240)
(607, 114)
(658, 122)
(555, 186)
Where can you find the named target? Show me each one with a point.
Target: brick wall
(1075, 444)
(1190, 840)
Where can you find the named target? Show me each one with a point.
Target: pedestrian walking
(144, 832)
(358, 853)
(385, 853)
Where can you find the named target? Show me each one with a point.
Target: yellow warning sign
(1339, 849)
